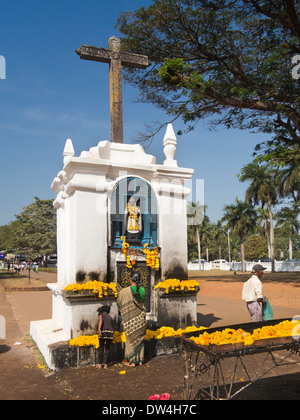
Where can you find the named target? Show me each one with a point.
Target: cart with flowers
(216, 365)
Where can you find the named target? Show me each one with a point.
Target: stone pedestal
(176, 310)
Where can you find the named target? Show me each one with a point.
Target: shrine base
(58, 354)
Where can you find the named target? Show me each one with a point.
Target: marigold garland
(231, 336)
(170, 332)
(85, 340)
(125, 245)
(152, 259)
(177, 285)
(226, 336)
(103, 289)
(120, 337)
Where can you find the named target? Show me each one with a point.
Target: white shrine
(93, 194)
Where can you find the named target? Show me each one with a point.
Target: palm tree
(218, 234)
(263, 225)
(288, 180)
(196, 216)
(262, 189)
(241, 220)
(234, 247)
(287, 220)
(206, 232)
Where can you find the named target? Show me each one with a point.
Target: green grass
(39, 358)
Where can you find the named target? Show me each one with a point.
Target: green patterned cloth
(134, 324)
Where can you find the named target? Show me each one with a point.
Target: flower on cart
(231, 336)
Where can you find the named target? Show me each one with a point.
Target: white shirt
(252, 290)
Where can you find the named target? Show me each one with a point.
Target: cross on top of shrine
(116, 59)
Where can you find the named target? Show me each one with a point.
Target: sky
(50, 95)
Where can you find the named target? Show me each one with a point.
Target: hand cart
(218, 371)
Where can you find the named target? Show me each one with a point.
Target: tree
(241, 220)
(6, 235)
(195, 216)
(288, 179)
(231, 60)
(207, 236)
(196, 220)
(255, 247)
(235, 247)
(219, 235)
(263, 225)
(262, 189)
(36, 233)
(287, 220)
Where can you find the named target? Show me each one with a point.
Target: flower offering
(230, 336)
(85, 340)
(97, 287)
(176, 285)
(120, 337)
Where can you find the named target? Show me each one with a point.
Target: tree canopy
(228, 61)
(35, 233)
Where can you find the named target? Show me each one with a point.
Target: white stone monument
(93, 192)
(111, 198)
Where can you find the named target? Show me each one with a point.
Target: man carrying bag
(253, 295)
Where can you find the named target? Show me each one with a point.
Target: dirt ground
(24, 377)
(282, 289)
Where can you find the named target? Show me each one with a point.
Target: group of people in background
(20, 266)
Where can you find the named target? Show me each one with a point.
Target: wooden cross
(116, 59)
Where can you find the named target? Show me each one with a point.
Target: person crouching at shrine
(253, 293)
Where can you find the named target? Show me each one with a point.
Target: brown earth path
(219, 303)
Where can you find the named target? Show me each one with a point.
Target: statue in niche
(132, 221)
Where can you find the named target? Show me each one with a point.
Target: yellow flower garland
(85, 340)
(152, 259)
(226, 336)
(96, 286)
(177, 285)
(169, 332)
(92, 340)
(231, 336)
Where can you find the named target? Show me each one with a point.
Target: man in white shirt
(253, 293)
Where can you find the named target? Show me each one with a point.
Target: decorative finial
(68, 151)
(170, 143)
